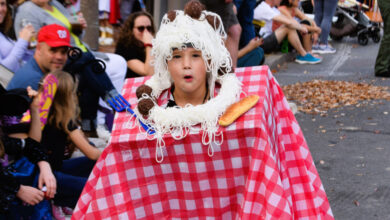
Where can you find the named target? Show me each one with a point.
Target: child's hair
(286, 3)
(64, 107)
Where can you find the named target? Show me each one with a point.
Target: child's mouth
(188, 78)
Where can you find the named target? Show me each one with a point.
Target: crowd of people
(39, 39)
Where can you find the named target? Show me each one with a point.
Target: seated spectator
(289, 8)
(19, 149)
(224, 8)
(71, 174)
(13, 52)
(45, 12)
(250, 53)
(135, 44)
(268, 12)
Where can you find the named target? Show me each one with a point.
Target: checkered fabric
(262, 170)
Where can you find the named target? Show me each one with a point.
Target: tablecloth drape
(262, 170)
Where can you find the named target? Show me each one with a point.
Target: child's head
(64, 107)
(194, 31)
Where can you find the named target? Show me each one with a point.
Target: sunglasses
(142, 28)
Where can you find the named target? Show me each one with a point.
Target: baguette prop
(237, 109)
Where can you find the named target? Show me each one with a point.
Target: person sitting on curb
(268, 12)
(290, 9)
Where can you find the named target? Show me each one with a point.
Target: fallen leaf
(356, 203)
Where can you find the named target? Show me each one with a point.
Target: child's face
(188, 70)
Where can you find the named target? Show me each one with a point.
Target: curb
(275, 60)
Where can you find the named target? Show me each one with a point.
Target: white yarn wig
(203, 31)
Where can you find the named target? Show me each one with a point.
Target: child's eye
(176, 56)
(196, 55)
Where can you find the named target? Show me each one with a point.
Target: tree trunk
(90, 10)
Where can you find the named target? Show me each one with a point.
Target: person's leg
(245, 10)
(232, 42)
(292, 37)
(253, 58)
(116, 71)
(382, 62)
(80, 166)
(318, 14)
(230, 24)
(71, 180)
(318, 11)
(329, 8)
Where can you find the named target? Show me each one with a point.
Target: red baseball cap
(54, 35)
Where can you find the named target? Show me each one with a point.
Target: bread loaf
(237, 109)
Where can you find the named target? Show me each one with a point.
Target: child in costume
(185, 165)
(19, 150)
(191, 60)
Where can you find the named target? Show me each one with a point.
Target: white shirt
(265, 13)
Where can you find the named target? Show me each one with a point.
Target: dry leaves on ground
(317, 96)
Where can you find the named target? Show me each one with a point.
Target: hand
(27, 32)
(33, 94)
(317, 30)
(147, 37)
(256, 42)
(81, 20)
(30, 195)
(303, 29)
(228, 1)
(47, 178)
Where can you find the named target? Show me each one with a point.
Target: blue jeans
(323, 14)
(245, 10)
(71, 180)
(253, 58)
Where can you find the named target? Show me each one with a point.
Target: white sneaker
(103, 132)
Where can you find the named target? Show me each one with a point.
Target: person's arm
(291, 23)
(254, 43)
(35, 126)
(81, 142)
(46, 177)
(313, 27)
(15, 52)
(139, 67)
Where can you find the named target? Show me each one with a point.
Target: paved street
(351, 145)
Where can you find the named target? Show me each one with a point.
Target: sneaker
(103, 132)
(67, 210)
(308, 58)
(315, 47)
(323, 49)
(57, 212)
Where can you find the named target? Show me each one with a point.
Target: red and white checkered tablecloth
(262, 170)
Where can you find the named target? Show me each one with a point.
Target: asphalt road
(351, 145)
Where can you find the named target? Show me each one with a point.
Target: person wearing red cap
(50, 54)
(106, 86)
